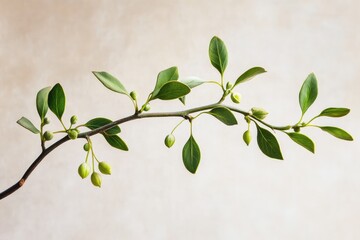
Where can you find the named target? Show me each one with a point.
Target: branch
(183, 114)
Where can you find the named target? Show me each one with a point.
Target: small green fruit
(96, 179)
(147, 107)
(73, 119)
(84, 170)
(247, 137)
(169, 140)
(48, 136)
(46, 121)
(259, 113)
(104, 168)
(296, 129)
(229, 85)
(235, 97)
(73, 134)
(133, 95)
(86, 147)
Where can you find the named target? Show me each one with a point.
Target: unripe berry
(104, 168)
(73, 119)
(133, 95)
(296, 129)
(229, 85)
(96, 179)
(235, 97)
(84, 170)
(147, 107)
(48, 135)
(169, 140)
(46, 121)
(73, 134)
(86, 147)
(247, 137)
(259, 113)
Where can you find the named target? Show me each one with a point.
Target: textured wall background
(238, 193)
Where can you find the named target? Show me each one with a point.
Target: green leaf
(308, 92)
(337, 132)
(116, 142)
(26, 123)
(191, 82)
(268, 144)
(99, 122)
(224, 115)
(172, 90)
(56, 100)
(249, 74)
(191, 155)
(302, 140)
(163, 77)
(218, 54)
(111, 82)
(42, 102)
(334, 112)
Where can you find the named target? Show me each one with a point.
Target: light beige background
(238, 193)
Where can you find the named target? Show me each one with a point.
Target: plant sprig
(169, 86)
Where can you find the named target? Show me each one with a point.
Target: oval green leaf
(116, 142)
(56, 100)
(334, 112)
(191, 82)
(337, 132)
(110, 82)
(99, 122)
(224, 115)
(26, 123)
(303, 141)
(268, 144)
(172, 90)
(163, 77)
(218, 54)
(191, 155)
(42, 102)
(308, 92)
(249, 74)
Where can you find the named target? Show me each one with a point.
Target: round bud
(48, 135)
(84, 170)
(259, 113)
(104, 168)
(147, 107)
(296, 129)
(73, 134)
(86, 147)
(169, 140)
(133, 95)
(235, 97)
(96, 179)
(229, 85)
(247, 137)
(73, 119)
(46, 121)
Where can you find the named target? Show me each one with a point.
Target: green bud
(77, 130)
(84, 170)
(235, 97)
(147, 107)
(227, 92)
(247, 137)
(296, 129)
(247, 119)
(96, 179)
(73, 134)
(48, 135)
(86, 147)
(133, 95)
(169, 140)
(46, 121)
(229, 85)
(104, 168)
(259, 113)
(73, 119)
